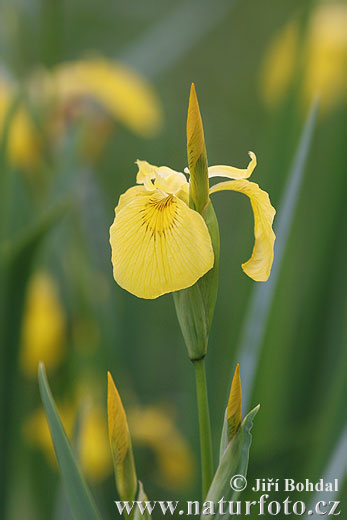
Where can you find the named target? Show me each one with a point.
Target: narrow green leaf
(191, 20)
(80, 498)
(336, 469)
(233, 462)
(224, 437)
(16, 261)
(257, 315)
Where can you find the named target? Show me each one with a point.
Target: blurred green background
(55, 215)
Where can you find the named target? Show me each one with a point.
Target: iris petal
(258, 267)
(234, 173)
(159, 245)
(166, 179)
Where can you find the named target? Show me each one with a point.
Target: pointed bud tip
(196, 152)
(192, 95)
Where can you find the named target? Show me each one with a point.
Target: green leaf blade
(80, 499)
(234, 461)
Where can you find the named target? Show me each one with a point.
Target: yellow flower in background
(93, 449)
(44, 326)
(98, 90)
(154, 427)
(36, 432)
(324, 49)
(160, 245)
(23, 139)
(119, 90)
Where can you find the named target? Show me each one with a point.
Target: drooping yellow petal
(120, 90)
(159, 245)
(128, 196)
(120, 443)
(258, 267)
(234, 409)
(234, 173)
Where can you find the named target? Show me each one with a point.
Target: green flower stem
(205, 426)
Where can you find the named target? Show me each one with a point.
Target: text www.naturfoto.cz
(224, 507)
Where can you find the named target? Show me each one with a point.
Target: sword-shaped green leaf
(80, 499)
(233, 462)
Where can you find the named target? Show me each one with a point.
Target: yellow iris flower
(160, 245)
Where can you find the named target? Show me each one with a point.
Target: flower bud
(120, 442)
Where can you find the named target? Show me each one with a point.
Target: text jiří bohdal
(291, 485)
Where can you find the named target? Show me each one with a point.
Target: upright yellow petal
(258, 267)
(119, 90)
(165, 179)
(234, 173)
(120, 443)
(159, 245)
(234, 409)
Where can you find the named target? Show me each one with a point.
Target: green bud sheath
(195, 305)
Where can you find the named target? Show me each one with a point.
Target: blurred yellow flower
(97, 89)
(93, 449)
(44, 326)
(153, 427)
(120, 91)
(94, 452)
(324, 51)
(23, 140)
(160, 245)
(36, 430)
